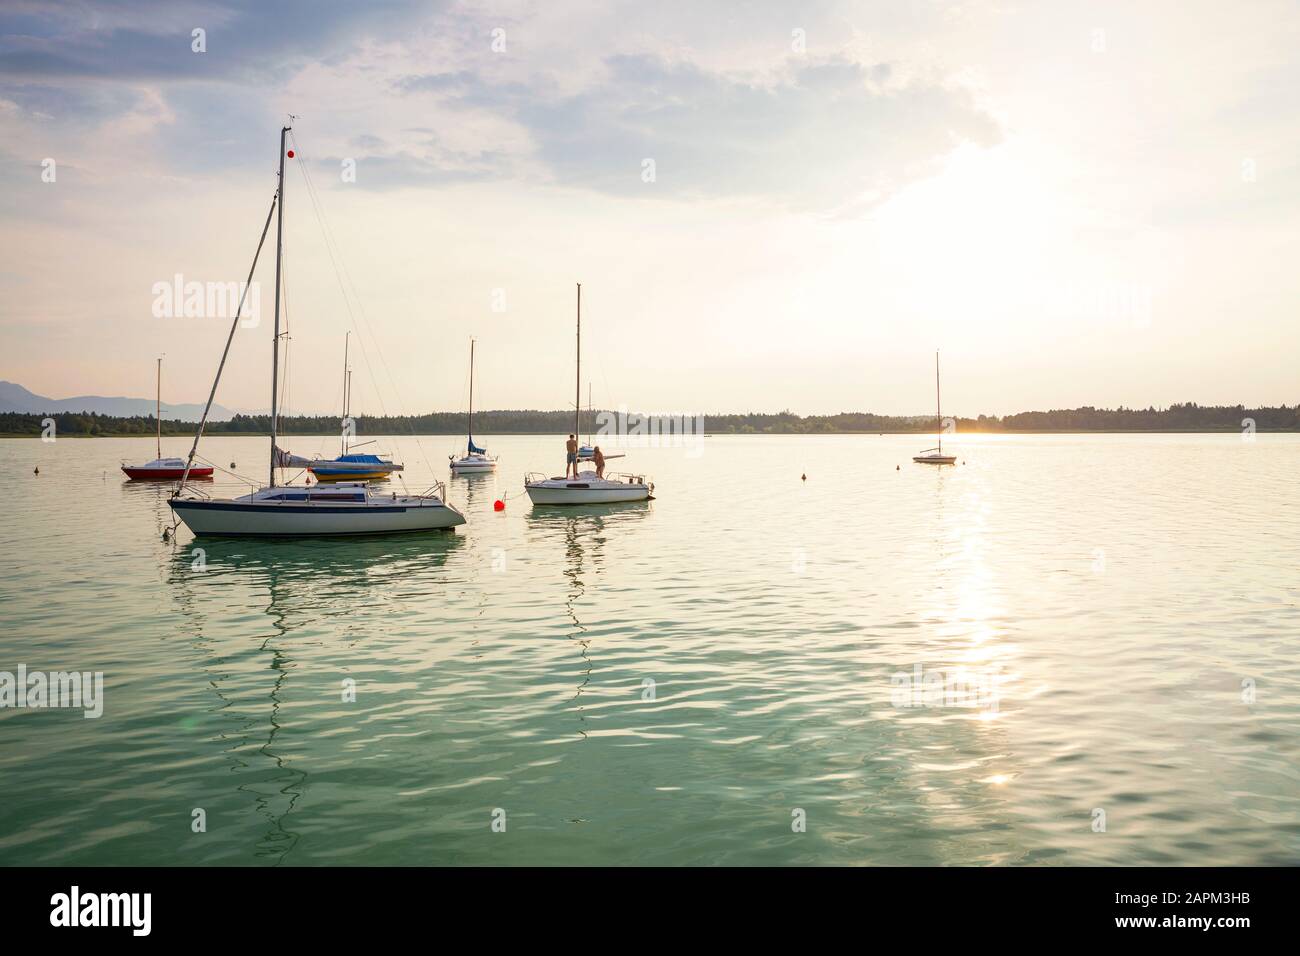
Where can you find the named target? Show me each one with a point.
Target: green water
(680, 682)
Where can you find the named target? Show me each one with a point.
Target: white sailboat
(588, 488)
(935, 456)
(288, 511)
(475, 460)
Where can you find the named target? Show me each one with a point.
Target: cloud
(135, 40)
(817, 132)
(826, 132)
(457, 82)
(821, 134)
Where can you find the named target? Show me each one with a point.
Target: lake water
(1063, 650)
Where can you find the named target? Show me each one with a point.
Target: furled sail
(285, 460)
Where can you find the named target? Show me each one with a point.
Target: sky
(769, 205)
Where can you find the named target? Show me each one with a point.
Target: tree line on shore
(1176, 418)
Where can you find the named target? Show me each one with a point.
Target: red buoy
(498, 505)
(291, 154)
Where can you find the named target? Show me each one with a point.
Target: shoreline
(771, 434)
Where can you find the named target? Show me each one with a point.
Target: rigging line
(464, 386)
(239, 311)
(227, 471)
(604, 376)
(335, 256)
(285, 404)
(331, 247)
(331, 251)
(285, 407)
(341, 273)
(321, 439)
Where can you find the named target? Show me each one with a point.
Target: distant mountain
(15, 398)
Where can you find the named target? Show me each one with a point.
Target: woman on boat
(599, 458)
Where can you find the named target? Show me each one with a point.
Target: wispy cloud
(708, 132)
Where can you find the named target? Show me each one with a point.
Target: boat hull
(330, 474)
(473, 468)
(278, 519)
(353, 467)
(164, 474)
(580, 493)
(934, 459)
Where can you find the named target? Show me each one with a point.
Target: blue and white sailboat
(350, 466)
(475, 459)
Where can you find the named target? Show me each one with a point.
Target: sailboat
(162, 469)
(475, 458)
(349, 466)
(289, 511)
(587, 488)
(935, 456)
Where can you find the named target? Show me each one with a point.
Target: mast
(157, 408)
(590, 413)
(577, 383)
(469, 423)
(275, 342)
(230, 337)
(938, 406)
(347, 381)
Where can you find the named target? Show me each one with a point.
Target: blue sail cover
(474, 449)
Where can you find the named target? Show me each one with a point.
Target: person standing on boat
(598, 457)
(571, 457)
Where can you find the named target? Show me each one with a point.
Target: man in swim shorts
(571, 457)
